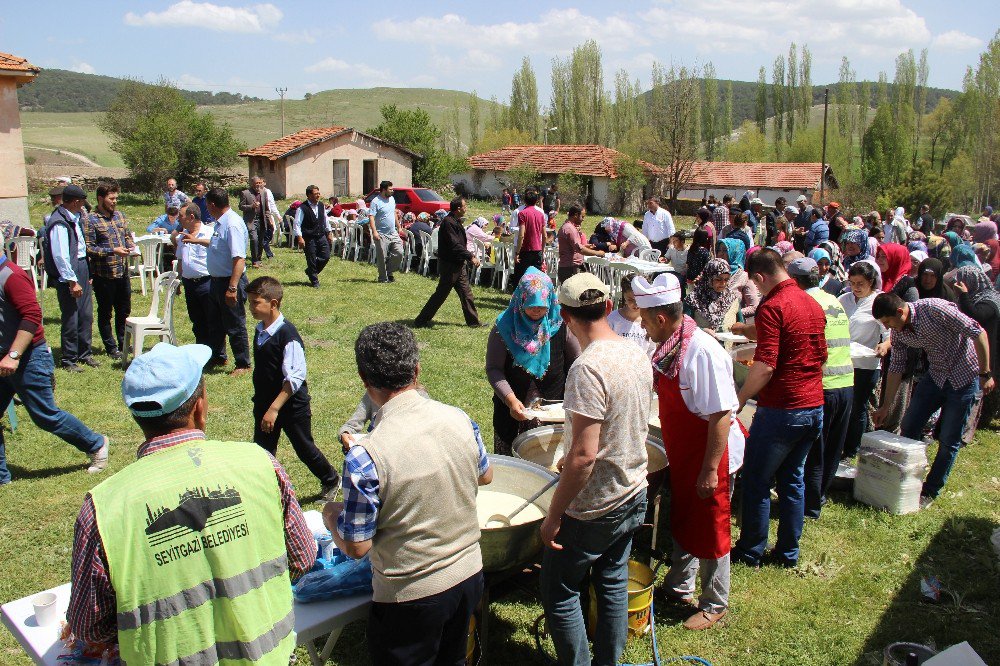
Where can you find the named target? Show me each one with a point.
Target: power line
(282, 91)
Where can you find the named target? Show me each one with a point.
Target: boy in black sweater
(281, 398)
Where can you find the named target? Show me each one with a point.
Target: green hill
(61, 90)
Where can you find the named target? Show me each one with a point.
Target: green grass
(856, 591)
(256, 123)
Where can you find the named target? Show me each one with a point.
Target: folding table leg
(320, 658)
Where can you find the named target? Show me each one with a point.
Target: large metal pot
(505, 547)
(539, 445)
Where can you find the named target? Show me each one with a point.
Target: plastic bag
(340, 577)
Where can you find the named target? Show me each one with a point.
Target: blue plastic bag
(340, 576)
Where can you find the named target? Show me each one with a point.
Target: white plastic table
(312, 621)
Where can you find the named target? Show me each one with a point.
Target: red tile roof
(15, 64)
(290, 143)
(781, 176)
(588, 160)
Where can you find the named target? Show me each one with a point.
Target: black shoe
(90, 361)
(218, 362)
(115, 355)
(315, 285)
(740, 558)
(71, 367)
(772, 559)
(392, 278)
(386, 281)
(478, 325)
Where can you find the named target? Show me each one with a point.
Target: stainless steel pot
(539, 445)
(504, 547)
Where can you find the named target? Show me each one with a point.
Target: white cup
(45, 609)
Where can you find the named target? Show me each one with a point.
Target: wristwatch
(231, 290)
(982, 375)
(14, 354)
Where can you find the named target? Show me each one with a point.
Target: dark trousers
(231, 321)
(453, 276)
(317, 251)
(525, 260)
(112, 294)
(566, 272)
(267, 235)
(298, 429)
(431, 630)
(824, 456)
(77, 316)
(661, 245)
(197, 294)
(255, 232)
(864, 387)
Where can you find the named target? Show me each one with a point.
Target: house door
(369, 176)
(340, 178)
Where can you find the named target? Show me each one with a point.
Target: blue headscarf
(527, 340)
(963, 255)
(818, 253)
(736, 250)
(860, 238)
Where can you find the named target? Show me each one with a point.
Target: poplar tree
(760, 105)
(524, 101)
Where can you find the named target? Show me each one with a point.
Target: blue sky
(253, 47)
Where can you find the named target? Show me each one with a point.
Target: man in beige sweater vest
(410, 502)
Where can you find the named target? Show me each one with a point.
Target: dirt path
(86, 161)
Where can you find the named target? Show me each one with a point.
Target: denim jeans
(779, 442)
(33, 383)
(955, 405)
(600, 546)
(824, 456)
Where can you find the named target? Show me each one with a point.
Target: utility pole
(822, 170)
(282, 91)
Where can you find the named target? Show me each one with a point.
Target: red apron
(700, 526)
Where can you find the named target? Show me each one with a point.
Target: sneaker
(926, 501)
(392, 278)
(99, 458)
(703, 620)
(91, 362)
(71, 367)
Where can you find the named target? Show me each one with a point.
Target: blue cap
(165, 376)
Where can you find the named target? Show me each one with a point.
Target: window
(401, 197)
(427, 195)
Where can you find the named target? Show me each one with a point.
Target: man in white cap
(188, 554)
(704, 441)
(601, 497)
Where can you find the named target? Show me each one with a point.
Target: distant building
(765, 180)
(14, 73)
(488, 171)
(341, 161)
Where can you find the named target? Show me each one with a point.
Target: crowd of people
(806, 283)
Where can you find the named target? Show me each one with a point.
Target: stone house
(14, 73)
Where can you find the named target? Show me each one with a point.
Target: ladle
(505, 520)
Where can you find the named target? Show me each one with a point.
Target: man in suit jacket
(254, 204)
(453, 254)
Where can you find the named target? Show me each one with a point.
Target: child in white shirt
(625, 320)
(676, 255)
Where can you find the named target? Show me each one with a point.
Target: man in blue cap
(187, 555)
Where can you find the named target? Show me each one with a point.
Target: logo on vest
(169, 531)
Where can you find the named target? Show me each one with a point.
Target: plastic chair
(504, 264)
(484, 260)
(151, 254)
(25, 253)
(616, 270)
(425, 253)
(158, 323)
(409, 250)
(552, 263)
(650, 255)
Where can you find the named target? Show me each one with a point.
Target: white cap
(801, 197)
(666, 289)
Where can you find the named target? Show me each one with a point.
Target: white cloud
(294, 38)
(220, 18)
(190, 81)
(83, 68)
(953, 40)
(354, 71)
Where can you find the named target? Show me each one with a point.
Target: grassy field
(259, 122)
(856, 590)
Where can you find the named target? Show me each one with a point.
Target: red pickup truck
(414, 200)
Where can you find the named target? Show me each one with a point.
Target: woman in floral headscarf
(712, 304)
(855, 247)
(528, 353)
(733, 250)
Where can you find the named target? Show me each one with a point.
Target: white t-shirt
(194, 258)
(611, 382)
(865, 329)
(678, 260)
(707, 387)
(631, 330)
(658, 226)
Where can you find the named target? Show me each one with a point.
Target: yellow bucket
(640, 598)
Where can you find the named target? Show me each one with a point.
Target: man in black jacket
(452, 257)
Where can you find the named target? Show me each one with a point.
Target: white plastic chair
(425, 253)
(409, 250)
(484, 260)
(617, 270)
(504, 257)
(151, 254)
(650, 255)
(599, 267)
(158, 323)
(25, 251)
(552, 263)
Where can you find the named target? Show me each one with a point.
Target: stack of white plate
(891, 471)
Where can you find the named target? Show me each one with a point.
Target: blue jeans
(33, 383)
(600, 546)
(779, 442)
(955, 405)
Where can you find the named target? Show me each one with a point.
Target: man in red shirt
(572, 247)
(26, 368)
(787, 378)
(530, 239)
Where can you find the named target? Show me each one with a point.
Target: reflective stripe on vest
(838, 371)
(195, 542)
